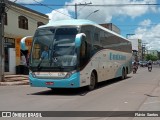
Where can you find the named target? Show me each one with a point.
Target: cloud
(148, 33)
(149, 36)
(26, 1)
(106, 13)
(146, 23)
(59, 14)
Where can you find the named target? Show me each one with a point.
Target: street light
(92, 13)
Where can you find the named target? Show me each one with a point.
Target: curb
(24, 82)
(10, 80)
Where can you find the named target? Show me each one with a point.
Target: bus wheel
(123, 74)
(92, 81)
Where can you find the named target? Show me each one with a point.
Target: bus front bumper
(72, 82)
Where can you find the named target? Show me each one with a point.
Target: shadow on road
(63, 92)
(76, 91)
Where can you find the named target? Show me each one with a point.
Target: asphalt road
(139, 92)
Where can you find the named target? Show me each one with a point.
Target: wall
(12, 30)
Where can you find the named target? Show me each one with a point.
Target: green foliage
(151, 57)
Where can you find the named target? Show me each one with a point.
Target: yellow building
(19, 22)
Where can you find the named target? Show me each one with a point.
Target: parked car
(143, 63)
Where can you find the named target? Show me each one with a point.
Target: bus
(78, 53)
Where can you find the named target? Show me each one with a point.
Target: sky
(135, 22)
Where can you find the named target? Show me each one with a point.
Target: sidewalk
(15, 80)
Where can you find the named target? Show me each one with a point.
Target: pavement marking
(152, 102)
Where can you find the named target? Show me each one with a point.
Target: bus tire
(126, 72)
(93, 81)
(123, 74)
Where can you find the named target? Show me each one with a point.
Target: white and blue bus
(79, 53)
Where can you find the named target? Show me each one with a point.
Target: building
(136, 49)
(19, 22)
(140, 49)
(112, 27)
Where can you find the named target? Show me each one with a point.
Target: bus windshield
(54, 49)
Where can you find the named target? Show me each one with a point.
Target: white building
(136, 48)
(19, 22)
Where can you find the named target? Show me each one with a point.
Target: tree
(151, 57)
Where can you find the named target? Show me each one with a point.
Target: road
(139, 92)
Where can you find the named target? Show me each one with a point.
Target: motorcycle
(135, 69)
(149, 68)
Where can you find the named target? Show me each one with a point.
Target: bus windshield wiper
(39, 64)
(41, 60)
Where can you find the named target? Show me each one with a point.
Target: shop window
(23, 22)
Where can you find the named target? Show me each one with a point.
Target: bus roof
(78, 22)
(69, 22)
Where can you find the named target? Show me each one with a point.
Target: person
(135, 67)
(150, 65)
(45, 53)
(24, 57)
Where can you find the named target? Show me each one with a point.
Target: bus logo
(55, 59)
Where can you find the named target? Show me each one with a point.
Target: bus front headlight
(70, 73)
(33, 74)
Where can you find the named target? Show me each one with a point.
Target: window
(23, 22)
(39, 24)
(88, 31)
(5, 19)
(96, 41)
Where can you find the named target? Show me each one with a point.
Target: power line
(85, 4)
(24, 15)
(109, 5)
(39, 3)
(8, 6)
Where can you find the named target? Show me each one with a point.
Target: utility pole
(143, 50)
(75, 10)
(80, 4)
(2, 12)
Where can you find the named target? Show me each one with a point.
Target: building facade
(140, 49)
(136, 49)
(111, 27)
(19, 22)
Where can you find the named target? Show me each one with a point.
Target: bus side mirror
(79, 39)
(80, 43)
(24, 51)
(23, 44)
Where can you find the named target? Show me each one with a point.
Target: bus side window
(96, 40)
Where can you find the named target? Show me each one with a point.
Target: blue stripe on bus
(57, 83)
